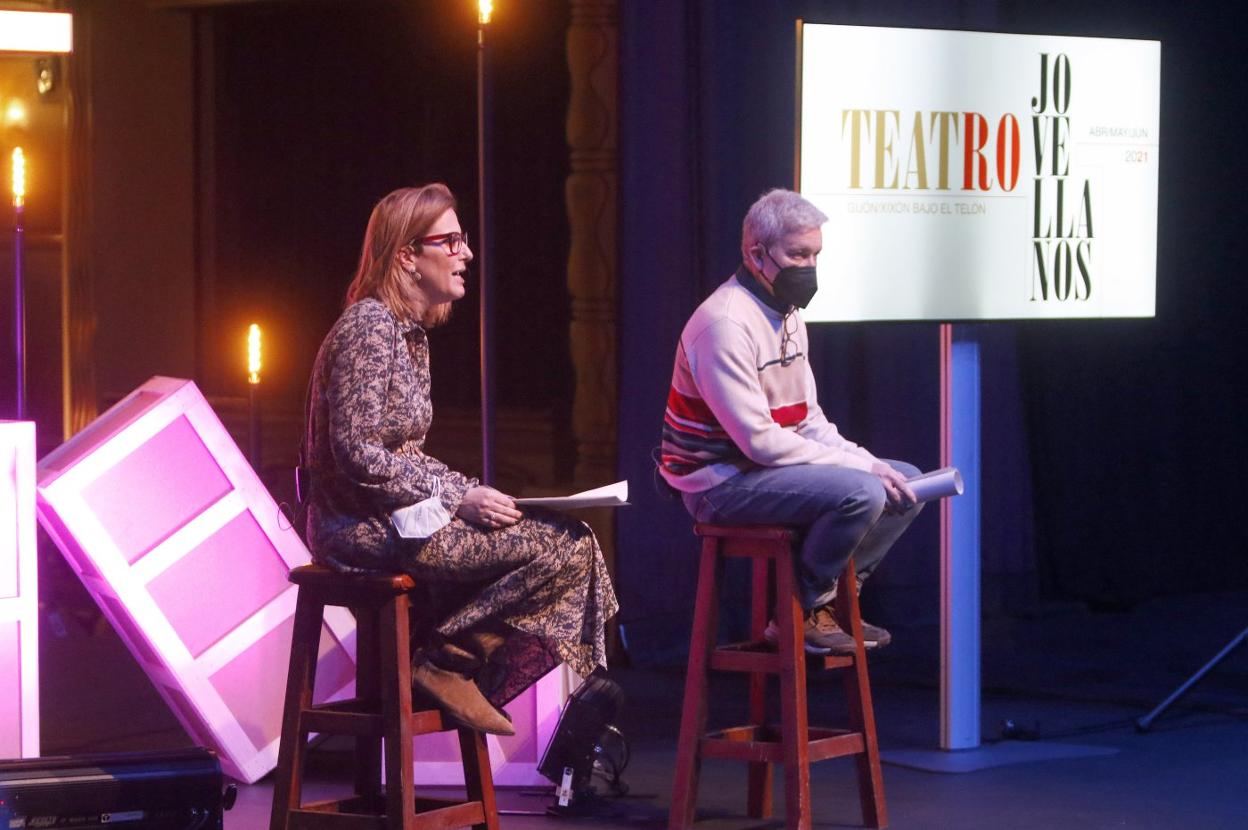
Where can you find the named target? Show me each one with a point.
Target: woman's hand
(900, 497)
(487, 507)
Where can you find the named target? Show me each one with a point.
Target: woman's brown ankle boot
(443, 675)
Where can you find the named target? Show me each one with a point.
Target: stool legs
(794, 726)
(757, 744)
(382, 706)
(861, 711)
(693, 711)
(758, 794)
(396, 708)
(477, 781)
(292, 749)
(368, 691)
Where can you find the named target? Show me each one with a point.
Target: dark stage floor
(1072, 678)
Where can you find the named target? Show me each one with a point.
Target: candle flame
(253, 354)
(485, 10)
(19, 177)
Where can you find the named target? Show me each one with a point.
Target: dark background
(1109, 447)
(1112, 450)
(322, 109)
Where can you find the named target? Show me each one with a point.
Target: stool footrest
(756, 742)
(833, 661)
(331, 819)
(761, 656)
(357, 812)
(744, 658)
(342, 718)
(351, 717)
(369, 812)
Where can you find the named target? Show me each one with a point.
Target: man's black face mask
(794, 284)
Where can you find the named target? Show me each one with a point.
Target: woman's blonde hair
(401, 216)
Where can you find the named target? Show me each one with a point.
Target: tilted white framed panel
(19, 595)
(185, 552)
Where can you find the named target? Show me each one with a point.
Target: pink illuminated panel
(10, 689)
(19, 601)
(180, 544)
(221, 600)
(246, 684)
(155, 488)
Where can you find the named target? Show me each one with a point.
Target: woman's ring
(489, 517)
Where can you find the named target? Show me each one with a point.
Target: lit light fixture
(19, 177)
(15, 114)
(253, 354)
(36, 31)
(485, 8)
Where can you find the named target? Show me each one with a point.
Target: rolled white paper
(937, 484)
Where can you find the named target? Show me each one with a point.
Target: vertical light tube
(485, 244)
(19, 291)
(253, 396)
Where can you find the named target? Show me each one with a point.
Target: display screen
(979, 176)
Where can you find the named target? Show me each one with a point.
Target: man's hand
(900, 497)
(487, 507)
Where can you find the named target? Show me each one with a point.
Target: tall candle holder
(485, 244)
(19, 292)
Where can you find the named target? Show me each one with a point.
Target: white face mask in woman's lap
(422, 519)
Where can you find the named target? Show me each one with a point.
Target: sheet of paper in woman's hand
(612, 495)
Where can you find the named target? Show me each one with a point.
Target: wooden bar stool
(382, 708)
(795, 743)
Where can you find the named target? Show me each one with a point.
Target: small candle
(253, 398)
(253, 354)
(19, 177)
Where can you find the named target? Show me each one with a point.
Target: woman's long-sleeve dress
(369, 413)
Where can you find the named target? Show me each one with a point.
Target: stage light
(485, 8)
(19, 177)
(36, 31)
(253, 354)
(587, 718)
(15, 114)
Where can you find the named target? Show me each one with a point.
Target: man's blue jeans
(840, 511)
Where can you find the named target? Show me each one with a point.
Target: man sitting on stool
(744, 439)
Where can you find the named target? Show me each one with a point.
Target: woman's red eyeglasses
(454, 241)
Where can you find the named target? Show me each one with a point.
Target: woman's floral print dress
(369, 413)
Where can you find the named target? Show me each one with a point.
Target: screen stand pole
(959, 540)
(960, 749)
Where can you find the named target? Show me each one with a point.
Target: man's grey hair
(775, 215)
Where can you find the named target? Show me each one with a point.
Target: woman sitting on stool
(511, 594)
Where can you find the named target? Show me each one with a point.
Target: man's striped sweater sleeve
(721, 362)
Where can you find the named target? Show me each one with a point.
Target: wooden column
(593, 61)
(78, 321)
